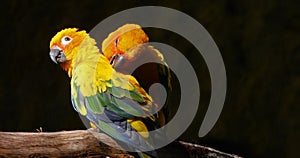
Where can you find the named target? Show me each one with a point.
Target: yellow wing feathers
(139, 126)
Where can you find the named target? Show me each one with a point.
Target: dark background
(259, 41)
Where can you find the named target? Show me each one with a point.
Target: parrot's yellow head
(124, 38)
(64, 47)
(64, 44)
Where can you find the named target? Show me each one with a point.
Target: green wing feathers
(110, 89)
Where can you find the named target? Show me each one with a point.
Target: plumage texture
(127, 49)
(124, 38)
(112, 100)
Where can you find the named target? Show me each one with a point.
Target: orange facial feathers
(124, 38)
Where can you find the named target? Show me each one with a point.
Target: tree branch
(82, 143)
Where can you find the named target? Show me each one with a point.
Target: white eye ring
(66, 40)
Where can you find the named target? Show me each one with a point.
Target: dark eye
(67, 39)
(117, 41)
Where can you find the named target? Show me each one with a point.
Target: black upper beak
(57, 55)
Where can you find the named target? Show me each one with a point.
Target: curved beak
(57, 55)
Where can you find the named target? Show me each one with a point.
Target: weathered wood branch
(82, 143)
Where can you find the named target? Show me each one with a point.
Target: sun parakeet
(127, 48)
(102, 90)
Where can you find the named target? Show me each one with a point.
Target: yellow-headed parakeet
(103, 90)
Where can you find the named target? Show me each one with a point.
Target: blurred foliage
(259, 42)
